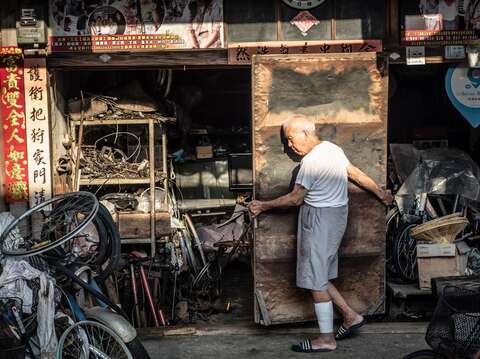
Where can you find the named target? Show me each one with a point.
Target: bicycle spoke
(102, 342)
(49, 225)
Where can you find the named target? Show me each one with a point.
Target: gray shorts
(320, 232)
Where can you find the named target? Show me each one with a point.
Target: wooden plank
(433, 55)
(356, 121)
(137, 224)
(279, 230)
(250, 20)
(8, 13)
(360, 22)
(151, 158)
(136, 241)
(120, 121)
(286, 303)
(433, 267)
(177, 59)
(393, 27)
(247, 328)
(263, 308)
(112, 181)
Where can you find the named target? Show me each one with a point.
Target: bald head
(300, 133)
(299, 123)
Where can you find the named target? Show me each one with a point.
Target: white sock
(324, 312)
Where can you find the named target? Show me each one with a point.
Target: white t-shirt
(449, 12)
(323, 172)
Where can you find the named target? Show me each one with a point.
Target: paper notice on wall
(454, 52)
(415, 55)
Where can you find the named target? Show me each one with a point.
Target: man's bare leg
(325, 340)
(350, 317)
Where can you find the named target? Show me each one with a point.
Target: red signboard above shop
(124, 25)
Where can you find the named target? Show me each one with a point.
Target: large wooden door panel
(346, 96)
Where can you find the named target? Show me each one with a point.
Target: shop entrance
(433, 169)
(192, 128)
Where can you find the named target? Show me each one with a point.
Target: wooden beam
(167, 58)
(112, 181)
(393, 23)
(8, 11)
(433, 55)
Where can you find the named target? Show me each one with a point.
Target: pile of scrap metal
(182, 283)
(106, 158)
(125, 102)
(57, 298)
(190, 266)
(437, 202)
(111, 162)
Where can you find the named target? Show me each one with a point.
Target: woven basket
(440, 230)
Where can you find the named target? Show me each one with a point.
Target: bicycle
(55, 237)
(454, 331)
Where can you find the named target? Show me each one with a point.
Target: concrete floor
(386, 340)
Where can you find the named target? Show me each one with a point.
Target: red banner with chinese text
(12, 116)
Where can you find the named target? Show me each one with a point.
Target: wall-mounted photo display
(439, 22)
(135, 25)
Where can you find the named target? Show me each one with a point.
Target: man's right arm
(292, 199)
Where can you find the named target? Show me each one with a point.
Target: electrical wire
(116, 133)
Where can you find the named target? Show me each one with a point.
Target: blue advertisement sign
(463, 88)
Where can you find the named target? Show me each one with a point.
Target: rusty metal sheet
(346, 96)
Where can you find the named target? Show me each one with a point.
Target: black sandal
(306, 347)
(343, 333)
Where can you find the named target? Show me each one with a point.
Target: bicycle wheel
(88, 339)
(424, 354)
(137, 349)
(97, 245)
(49, 224)
(405, 254)
(392, 224)
(113, 252)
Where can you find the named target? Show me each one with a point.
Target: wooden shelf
(135, 241)
(113, 181)
(121, 121)
(139, 240)
(142, 228)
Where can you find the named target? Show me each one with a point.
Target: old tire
(137, 349)
(424, 354)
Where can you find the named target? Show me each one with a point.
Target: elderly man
(321, 190)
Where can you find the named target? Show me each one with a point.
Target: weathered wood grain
(345, 95)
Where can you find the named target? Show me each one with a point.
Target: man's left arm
(363, 180)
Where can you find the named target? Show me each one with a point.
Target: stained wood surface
(179, 59)
(345, 95)
(250, 20)
(137, 224)
(360, 22)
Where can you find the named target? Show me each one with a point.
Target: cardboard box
(438, 260)
(204, 152)
(436, 250)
